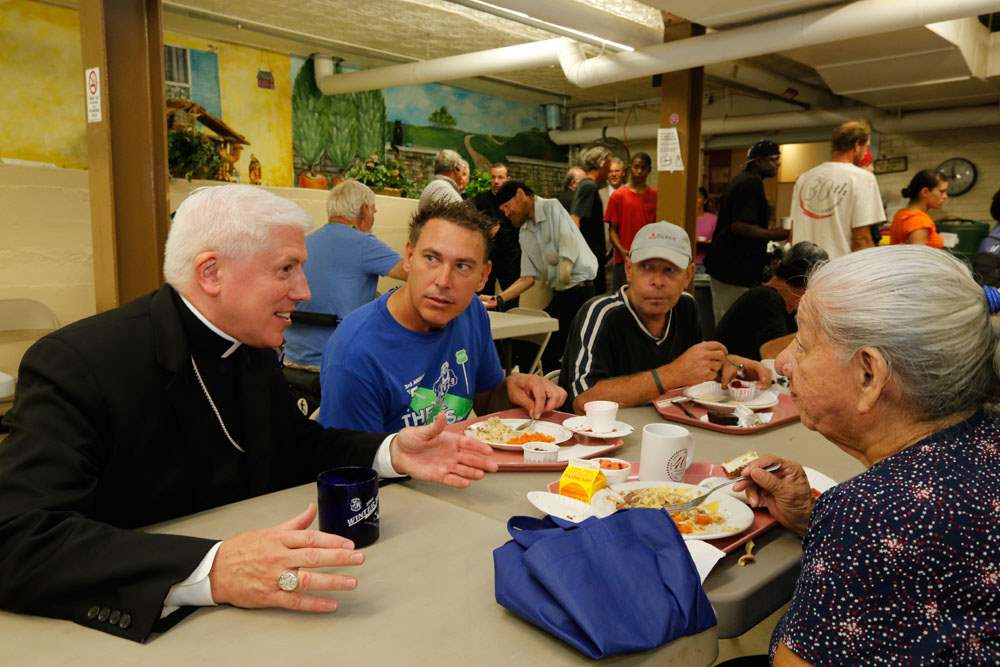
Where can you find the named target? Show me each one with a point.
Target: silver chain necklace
(197, 374)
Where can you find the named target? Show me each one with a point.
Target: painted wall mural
(329, 137)
(257, 92)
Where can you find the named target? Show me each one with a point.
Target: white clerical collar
(215, 329)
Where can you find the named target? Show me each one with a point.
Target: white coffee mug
(667, 452)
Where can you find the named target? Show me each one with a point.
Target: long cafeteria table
(425, 593)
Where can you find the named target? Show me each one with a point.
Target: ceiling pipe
(919, 121)
(573, 19)
(857, 19)
(492, 61)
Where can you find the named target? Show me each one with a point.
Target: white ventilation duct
(480, 63)
(857, 19)
(921, 121)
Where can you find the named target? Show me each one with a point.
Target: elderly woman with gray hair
(896, 362)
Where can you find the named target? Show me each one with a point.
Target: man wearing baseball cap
(738, 253)
(645, 339)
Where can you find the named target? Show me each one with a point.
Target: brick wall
(545, 177)
(926, 150)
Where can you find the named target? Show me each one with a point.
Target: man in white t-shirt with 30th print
(834, 203)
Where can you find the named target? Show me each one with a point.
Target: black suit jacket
(110, 431)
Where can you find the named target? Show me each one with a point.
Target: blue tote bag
(606, 586)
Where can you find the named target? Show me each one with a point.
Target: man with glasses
(738, 254)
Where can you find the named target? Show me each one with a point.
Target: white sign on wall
(92, 81)
(668, 150)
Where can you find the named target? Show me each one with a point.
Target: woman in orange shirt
(927, 190)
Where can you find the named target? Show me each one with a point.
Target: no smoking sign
(92, 77)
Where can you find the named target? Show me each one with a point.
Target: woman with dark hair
(927, 189)
(767, 312)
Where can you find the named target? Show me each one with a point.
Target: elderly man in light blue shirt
(554, 252)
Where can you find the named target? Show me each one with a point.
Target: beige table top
(424, 597)
(741, 596)
(512, 325)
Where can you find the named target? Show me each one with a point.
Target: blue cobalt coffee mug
(348, 504)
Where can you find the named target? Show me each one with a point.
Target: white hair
(234, 220)
(447, 161)
(346, 199)
(923, 311)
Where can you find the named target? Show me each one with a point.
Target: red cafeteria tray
(513, 461)
(762, 519)
(784, 412)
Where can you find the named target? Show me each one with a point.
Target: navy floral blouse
(901, 564)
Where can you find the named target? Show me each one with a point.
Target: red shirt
(629, 212)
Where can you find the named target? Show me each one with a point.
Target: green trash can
(970, 234)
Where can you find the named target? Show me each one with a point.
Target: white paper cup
(786, 222)
(601, 415)
(667, 452)
(541, 452)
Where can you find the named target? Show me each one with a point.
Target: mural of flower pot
(310, 179)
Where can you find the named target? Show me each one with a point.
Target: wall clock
(961, 175)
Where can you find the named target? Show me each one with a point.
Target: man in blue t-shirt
(425, 349)
(345, 262)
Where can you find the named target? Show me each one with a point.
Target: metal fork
(526, 425)
(694, 502)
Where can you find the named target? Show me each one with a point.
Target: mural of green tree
(309, 114)
(442, 118)
(341, 127)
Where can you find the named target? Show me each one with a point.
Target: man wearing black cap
(738, 253)
(553, 251)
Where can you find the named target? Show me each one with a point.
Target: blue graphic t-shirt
(377, 375)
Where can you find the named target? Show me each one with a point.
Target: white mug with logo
(667, 452)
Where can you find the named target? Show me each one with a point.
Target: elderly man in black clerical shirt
(173, 404)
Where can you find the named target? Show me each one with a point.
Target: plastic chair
(540, 339)
(16, 314)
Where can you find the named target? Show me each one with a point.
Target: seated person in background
(345, 262)
(896, 362)
(553, 251)
(927, 190)
(986, 261)
(174, 404)
(767, 312)
(638, 343)
(426, 348)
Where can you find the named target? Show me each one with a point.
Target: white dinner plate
(548, 428)
(738, 517)
(579, 425)
(711, 395)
